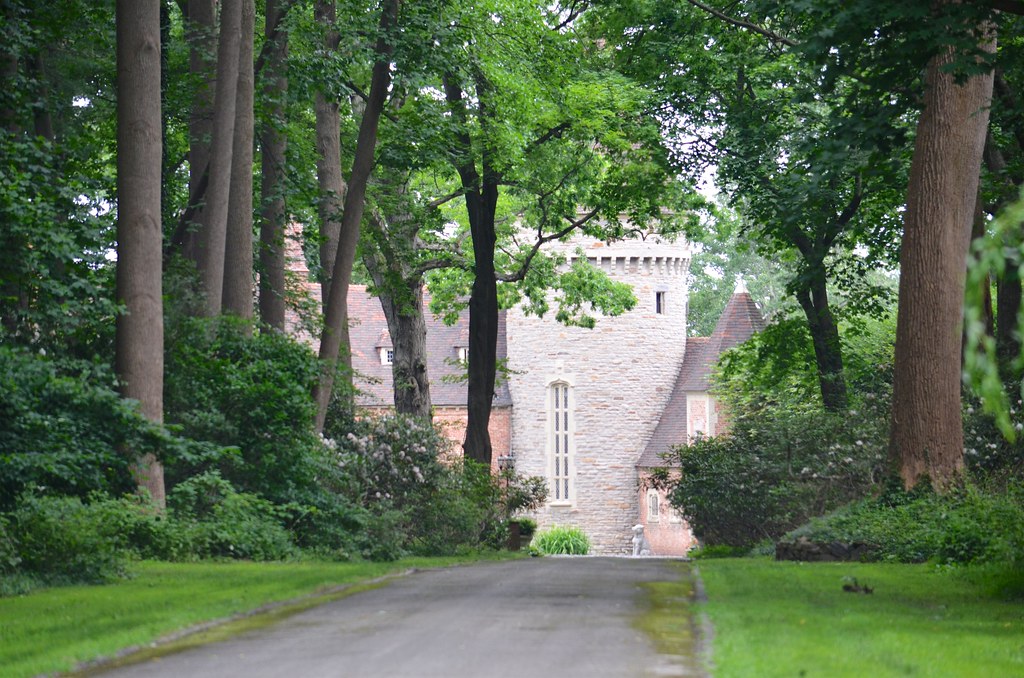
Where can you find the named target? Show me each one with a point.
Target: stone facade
(620, 376)
(594, 411)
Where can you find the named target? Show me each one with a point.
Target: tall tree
(201, 33)
(273, 146)
(336, 313)
(212, 236)
(811, 166)
(330, 204)
(926, 438)
(238, 256)
(139, 347)
(585, 156)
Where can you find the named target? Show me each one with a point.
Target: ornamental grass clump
(569, 541)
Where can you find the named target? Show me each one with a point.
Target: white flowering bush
(391, 469)
(778, 468)
(389, 459)
(987, 453)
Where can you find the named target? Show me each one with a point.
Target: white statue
(641, 547)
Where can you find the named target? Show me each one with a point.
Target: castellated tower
(586, 401)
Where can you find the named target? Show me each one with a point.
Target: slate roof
(368, 333)
(739, 321)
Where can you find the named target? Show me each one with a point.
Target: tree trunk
(335, 332)
(403, 309)
(328, 162)
(201, 35)
(214, 218)
(481, 194)
(238, 258)
(926, 438)
(828, 351)
(483, 326)
(139, 334)
(273, 209)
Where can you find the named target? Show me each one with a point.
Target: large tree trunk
(139, 335)
(828, 352)
(481, 202)
(328, 162)
(214, 218)
(273, 209)
(403, 309)
(201, 35)
(335, 332)
(238, 258)
(926, 438)
(483, 326)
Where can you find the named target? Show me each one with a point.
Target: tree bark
(201, 35)
(403, 309)
(139, 333)
(824, 331)
(328, 162)
(483, 326)
(238, 256)
(926, 438)
(273, 209)
(335, 332)
(481, 195)
(214, 218)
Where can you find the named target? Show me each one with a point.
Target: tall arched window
(560, 432)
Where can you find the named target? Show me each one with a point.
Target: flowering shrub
(391, 468)
(388, 459)
(986, 451)
(777, 469)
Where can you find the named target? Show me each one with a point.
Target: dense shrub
(562, 541)
(777, 469)
(987, 453)
(219, 521)
(245, 390)
(63, 435)
(62, 540)
(400, 471)
(966, 526)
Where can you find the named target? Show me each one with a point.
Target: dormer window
(659, 303)
(387, 355)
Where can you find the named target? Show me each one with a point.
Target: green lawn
(55, 629)
(794, 619)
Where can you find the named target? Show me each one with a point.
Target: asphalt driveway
(561, 617)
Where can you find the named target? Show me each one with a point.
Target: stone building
(592, 410)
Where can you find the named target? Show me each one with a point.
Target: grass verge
(54, 630)
(794, 619)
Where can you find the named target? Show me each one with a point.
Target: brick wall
(452, 423)
(668, 534)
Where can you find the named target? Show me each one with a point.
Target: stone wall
(621, 375)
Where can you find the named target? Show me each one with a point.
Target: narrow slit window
(659, 303)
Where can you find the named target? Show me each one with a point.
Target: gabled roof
(671, 429)
(739, 321)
